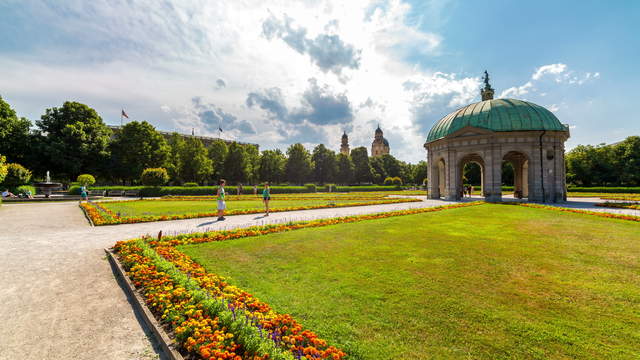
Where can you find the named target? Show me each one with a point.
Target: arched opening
(437, 182)
(515, 173)
(471, 176)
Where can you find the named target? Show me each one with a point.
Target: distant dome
(385, 141)
(497, 115)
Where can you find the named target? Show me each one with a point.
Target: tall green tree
(345, 169)
(14, 134)
(174, 163)
(360, 158)
(272, 164)
(378, 172)
(626, 155)
(392, 166)
(138, 146)
(253, 160)
(195, 164)
(236, 165)
(324, 164)
(420, 172)
(3, 168)
(74, 139)
(218, 150)
(298, 166)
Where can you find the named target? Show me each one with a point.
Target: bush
(310, 187)
(154, 177)
(16, 175)
(3, 168)
(86, 179)
(393, 181)
(604, 189)
(190, 184)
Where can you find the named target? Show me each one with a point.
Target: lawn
(489, 281)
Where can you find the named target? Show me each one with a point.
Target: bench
(97, 193)
(132, 193)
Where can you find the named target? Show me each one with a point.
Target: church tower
(380, 145)
(344, 148)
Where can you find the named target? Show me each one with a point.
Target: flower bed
(578, 211)
(100, 215)
(211, 319)
(620, 205)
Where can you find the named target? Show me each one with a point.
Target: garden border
(86, 215)
(168, 346)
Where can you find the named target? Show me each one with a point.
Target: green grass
(177, 207)
(483, 282)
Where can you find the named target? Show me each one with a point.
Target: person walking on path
(83, 193)
(239, 189)
(266, 196)
(221, 203)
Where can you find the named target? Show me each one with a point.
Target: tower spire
(487, 91)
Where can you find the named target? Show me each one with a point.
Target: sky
(281, 72)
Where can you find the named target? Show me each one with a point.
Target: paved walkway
(59, 297)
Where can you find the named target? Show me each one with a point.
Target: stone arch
(438, 183)
(465, 159)
(519, 160)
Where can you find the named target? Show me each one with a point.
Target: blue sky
(281, 72)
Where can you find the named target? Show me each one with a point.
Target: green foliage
(174, 163)
(16, 175)
(253, 162)
(345, 169)
(298, 166)
(236, 165)
(73, 139)
(605, 189)
(195, 165)
(3, 168)
(23, 189)
(154, 177)
(325, 165)
(190, 184)
(378, 171)
(420, 172)
(605, 165)
(86, 179)
(362, 172)
(310, 187)
(271, 167)
(393, 181)
(14, 134)
(218, 151)
(138, 146)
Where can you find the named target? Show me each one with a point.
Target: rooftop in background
(206, 140)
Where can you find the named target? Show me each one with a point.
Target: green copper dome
(497, 115)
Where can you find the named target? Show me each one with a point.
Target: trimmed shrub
(603, 189)
(16, 175)
(311, 187)
(393, 181)
(190, 184)
(86, 179)
(154, 177)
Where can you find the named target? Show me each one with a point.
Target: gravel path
(59, 296)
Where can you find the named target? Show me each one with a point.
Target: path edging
(167, 345)
(84, 211)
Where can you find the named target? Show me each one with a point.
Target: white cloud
(548, 69)
(517, 91)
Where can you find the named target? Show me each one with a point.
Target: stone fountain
(47, 186)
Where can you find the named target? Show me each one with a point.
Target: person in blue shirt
(266, 196)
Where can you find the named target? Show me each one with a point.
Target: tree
(173, 165)
(138, 146)
(74, 139)
(271, 167)
(236, 165)
(324, 164)
(298, 166)
(14, 134)
(154, 177)
(627, 158)
(420, 172)
(86, 179)
(345, 169)
(378, 172)
(360, 160)
(392, 166)
(17, 175)
(218, 153)
(3, 168)
(195, 165)
(253, 162)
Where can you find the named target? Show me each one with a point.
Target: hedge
(606, 189)
(231, 190)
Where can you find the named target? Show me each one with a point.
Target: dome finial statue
(487, 92)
